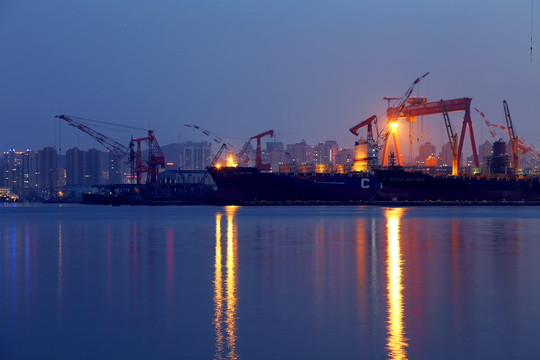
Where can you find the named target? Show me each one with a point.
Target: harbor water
(276, 282)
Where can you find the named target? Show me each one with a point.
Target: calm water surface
(201, 282)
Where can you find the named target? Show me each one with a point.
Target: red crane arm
(492, 133)
(355, 129)
(432, 108)
(269, 132)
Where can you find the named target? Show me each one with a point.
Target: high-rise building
(13, 170)
(445, 157)
(300, 153)
(322, 154)
(196, 155)
(31, 169)
(345, 157)
(93, 174)
(116, 173)
(334, 148)
(75, 160)
(484, 150)
(426, 150)
(274, 145)
(48, 169)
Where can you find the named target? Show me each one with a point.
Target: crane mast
(452, 138)
(156, 158)
(513, 138)
(258, 158)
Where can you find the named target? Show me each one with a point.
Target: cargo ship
(240, 185)
(402, 185)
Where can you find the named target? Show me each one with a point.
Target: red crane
(367, 123)
(134, 160)
(258, 158)
(155, 158)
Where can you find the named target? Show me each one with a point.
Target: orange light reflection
(225, 297)
(396, 342)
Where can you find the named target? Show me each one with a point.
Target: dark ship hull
(237, 185)
(400, 185)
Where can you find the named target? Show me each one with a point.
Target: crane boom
(118, 149)
(489, 125)
(367, 123)
(134, 160)
(513, 138)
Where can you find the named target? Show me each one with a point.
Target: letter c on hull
(365, 183)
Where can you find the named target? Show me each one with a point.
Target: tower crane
(127, 154)
(391, 124)
(513, 138)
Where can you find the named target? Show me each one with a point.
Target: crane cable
(532, 2)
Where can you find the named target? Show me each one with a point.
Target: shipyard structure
(373, 170)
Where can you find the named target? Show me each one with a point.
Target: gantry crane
(127, 154)
(392, 114)
(513, 138)
(432, 108)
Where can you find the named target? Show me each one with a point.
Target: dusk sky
(307, 69)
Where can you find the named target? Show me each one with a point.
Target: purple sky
(307, 69)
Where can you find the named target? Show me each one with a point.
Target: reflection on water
(225, 306)
(317, 283)
(396, 342)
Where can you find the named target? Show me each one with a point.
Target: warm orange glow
(218, 290)
(231, 162)
(218, 166)
(231, 282)
(393, 125)
(60, 193)
(225, 292)
(396, 342)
